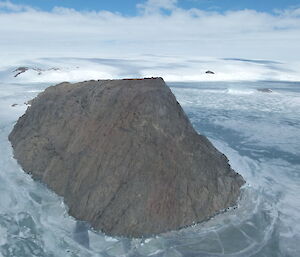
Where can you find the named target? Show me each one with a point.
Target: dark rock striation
(124, 156)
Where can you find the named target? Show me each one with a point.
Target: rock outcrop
(17, 72)
(265, 90)
(20, 70)
(124, 156)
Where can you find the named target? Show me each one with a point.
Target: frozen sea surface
(260, 134)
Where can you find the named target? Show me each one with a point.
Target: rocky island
(124, 156)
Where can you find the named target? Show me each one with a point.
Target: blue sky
(128, 7)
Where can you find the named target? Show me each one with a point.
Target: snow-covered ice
(259, 132)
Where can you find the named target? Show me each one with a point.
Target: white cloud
(29, 33)
(154, 6)
(9, 6)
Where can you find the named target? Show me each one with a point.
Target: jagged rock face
(124, 156)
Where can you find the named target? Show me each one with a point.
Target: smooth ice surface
(260, 134)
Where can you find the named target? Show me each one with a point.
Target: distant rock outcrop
(20, 70)
(124, 155)
(39, 71)
(265, 90)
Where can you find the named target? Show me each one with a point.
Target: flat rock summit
(124, 156)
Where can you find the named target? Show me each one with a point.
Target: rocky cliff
(124, 156)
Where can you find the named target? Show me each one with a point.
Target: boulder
(124, 156)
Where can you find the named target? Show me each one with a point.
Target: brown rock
(124, 156)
